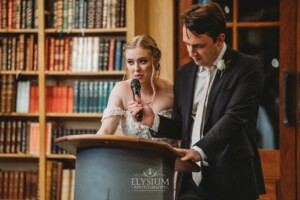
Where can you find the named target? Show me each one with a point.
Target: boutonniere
(223, 66)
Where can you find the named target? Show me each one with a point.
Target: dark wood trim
(298, 98)
(271, 170)
(182, 54)
(287, 57)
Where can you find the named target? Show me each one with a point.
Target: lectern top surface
(74, 143)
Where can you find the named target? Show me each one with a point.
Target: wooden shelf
(94, 30)
(99, 73)
(18, 30)
(19, 156)
(26, 73)
(61, 156)
(258, 24)
(252, 24)
(14, 114)
(75, 115)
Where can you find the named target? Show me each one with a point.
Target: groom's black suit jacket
(230, 126)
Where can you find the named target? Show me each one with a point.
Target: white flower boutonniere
(223, 66)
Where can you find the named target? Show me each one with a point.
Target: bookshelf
(141, 18)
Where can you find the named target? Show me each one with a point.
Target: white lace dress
(132, 128)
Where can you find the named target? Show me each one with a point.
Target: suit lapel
(218, 82)
(189, 87)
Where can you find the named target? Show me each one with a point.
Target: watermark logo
(151, 181)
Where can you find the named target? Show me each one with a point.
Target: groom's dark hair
(205, 18)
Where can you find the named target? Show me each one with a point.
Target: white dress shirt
(199, 94)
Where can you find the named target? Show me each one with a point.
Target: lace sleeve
(166, 113)
(112, 111)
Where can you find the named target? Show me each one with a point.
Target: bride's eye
(143, 61)
(130, 62)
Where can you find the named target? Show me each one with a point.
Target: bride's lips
(138, 76)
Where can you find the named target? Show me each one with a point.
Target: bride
(142, 58)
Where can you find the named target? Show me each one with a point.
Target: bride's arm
(113, 112)
(109, 125)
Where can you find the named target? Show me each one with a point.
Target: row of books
(23, 137)
(60, 181)
(7, 92)
(68, 14)
(91, 96)
(82, 97)
(18, 184)
(84, 54)
(17, 96)
(19, 53)
(16, 14)
(54, 132)
(19, 137)
(27, 97)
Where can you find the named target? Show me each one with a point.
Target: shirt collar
(220, 56)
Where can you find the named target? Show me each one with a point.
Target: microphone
(136, 90)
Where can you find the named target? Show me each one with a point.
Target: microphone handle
(139, 115)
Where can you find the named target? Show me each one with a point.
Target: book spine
(29, 14)
(2, 137)
(59, 14)
(61, 54)
(35, 19)
(24, 137)
(91, 14)
(4, 14)
(95, 52)
(4, 93)
(90, 97)
(66, 57)
(8, 137)
(9, 13)
(65, 13)
(76, 97)
(13, 137)
(70, 13)
(111, 55)
(13, 53)
(21, 185)
(18, 136)
(22, 52)
(9, 54)
(10, 94)
(70, 98)
(118, 55)
(4, 53)
(105, 54)
(99, 14)
(17, 14)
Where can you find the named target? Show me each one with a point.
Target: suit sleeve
(172, 128)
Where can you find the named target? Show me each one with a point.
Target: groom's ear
(221, 39)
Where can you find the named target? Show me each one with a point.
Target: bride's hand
(138, 105)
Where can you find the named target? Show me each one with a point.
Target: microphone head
(135, 83)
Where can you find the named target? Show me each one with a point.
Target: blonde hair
(148, 43)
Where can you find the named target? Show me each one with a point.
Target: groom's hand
(189, 154)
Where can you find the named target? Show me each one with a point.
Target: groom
(216, 100)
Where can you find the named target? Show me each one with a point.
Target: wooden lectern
(110, 167)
